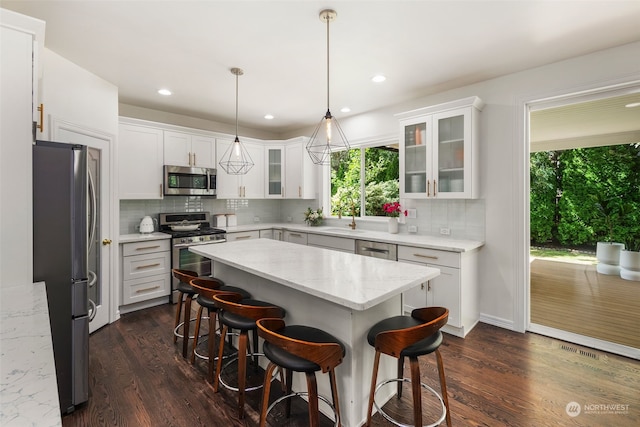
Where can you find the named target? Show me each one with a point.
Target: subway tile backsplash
(464, 218)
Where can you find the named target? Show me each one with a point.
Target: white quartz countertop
(350, 280)
(139, 237)
(421, 241)
(28, 389)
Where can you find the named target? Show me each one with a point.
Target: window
(364, 178)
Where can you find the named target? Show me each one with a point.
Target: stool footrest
(304, 393)
(235, 359)
(396, 422)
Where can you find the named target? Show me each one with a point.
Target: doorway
(100, 216)
(567, 298)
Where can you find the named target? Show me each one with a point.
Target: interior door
(99, 211)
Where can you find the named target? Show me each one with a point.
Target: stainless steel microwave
(188, 181)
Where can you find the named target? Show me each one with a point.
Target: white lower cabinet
(242, 235)
(272, 233)
(295, 237)
(146, 272)
(455, 288)
(341, 244)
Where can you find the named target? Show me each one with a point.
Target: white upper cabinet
(250, 185)
(274, 172)
(140, 161)
(438, 151)
(183, 149)
(300, 172)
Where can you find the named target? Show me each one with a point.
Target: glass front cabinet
(438, 151)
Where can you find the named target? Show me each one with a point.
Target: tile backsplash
(464, 218)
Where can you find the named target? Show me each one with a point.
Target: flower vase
(393, 225)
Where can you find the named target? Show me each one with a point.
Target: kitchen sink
(343, 230)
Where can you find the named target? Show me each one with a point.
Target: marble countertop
(28, 389)
(421, 241)
(350, 280)
(139, 237)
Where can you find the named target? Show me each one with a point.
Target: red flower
(393, 209)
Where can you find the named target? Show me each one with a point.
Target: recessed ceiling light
(345, 109)
(379, 78)
(165, 92)
(268, 116)
(633, 104)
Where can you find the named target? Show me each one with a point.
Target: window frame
(326, 176)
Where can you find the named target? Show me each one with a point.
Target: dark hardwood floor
(495, 377)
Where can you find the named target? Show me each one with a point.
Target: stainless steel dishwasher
(377, 249)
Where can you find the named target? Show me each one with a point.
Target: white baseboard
(607, 346)
(497, 321)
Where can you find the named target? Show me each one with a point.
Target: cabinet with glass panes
(438, 150)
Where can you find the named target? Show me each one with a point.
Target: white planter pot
(608, 255)
(393, 225)
(630, 265)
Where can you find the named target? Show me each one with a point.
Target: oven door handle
(186, 245)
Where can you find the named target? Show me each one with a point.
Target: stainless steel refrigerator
(60, 260)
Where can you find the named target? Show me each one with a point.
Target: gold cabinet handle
(435, 188)
(421, 286)
(161, 191)
(428, 188)
(426, 256)
(144, 248)
(41, 125)
(140, 267)
(299, 192)
(139, 291)
(243, 237)
(106, 242)
(194, 159)
(295, 235)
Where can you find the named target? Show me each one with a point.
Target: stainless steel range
(189, 229)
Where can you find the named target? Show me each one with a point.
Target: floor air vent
(580, 351)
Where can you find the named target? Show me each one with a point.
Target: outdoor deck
(575, 298)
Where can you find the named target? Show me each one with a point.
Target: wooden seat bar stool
(240, 315)
(184, 289)
(298, 348)
(206, 289)
(410, 336)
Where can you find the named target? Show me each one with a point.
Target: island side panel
(350, 326)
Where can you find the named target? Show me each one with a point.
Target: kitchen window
(363, 179)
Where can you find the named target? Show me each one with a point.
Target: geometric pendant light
(328, 136)
(236, 160)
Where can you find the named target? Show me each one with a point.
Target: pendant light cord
(328, 20)
(236, 106)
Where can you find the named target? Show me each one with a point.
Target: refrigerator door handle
(93, 310)
(79, 298)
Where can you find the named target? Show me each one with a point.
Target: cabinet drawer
(295, 237)
(245, 235)
(146, 247)
(145, 288)
(338, 243)
(134, 267)
(429, 256)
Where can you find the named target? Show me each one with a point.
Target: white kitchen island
(341, 293)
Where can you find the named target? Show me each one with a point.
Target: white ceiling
(422, 47)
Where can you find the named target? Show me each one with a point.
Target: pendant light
(236, 160)
(328, 137)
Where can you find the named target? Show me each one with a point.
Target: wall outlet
(412, 229)
(256, 219)
(411, 213)
(445, 231)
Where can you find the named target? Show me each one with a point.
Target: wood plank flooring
(575, 298)
(495, 378)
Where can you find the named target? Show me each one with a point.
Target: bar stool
(301, 349)
(184, 288)
(241, 314)
(206, 288)
(410, 336)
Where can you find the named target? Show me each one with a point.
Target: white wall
(504, 159)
